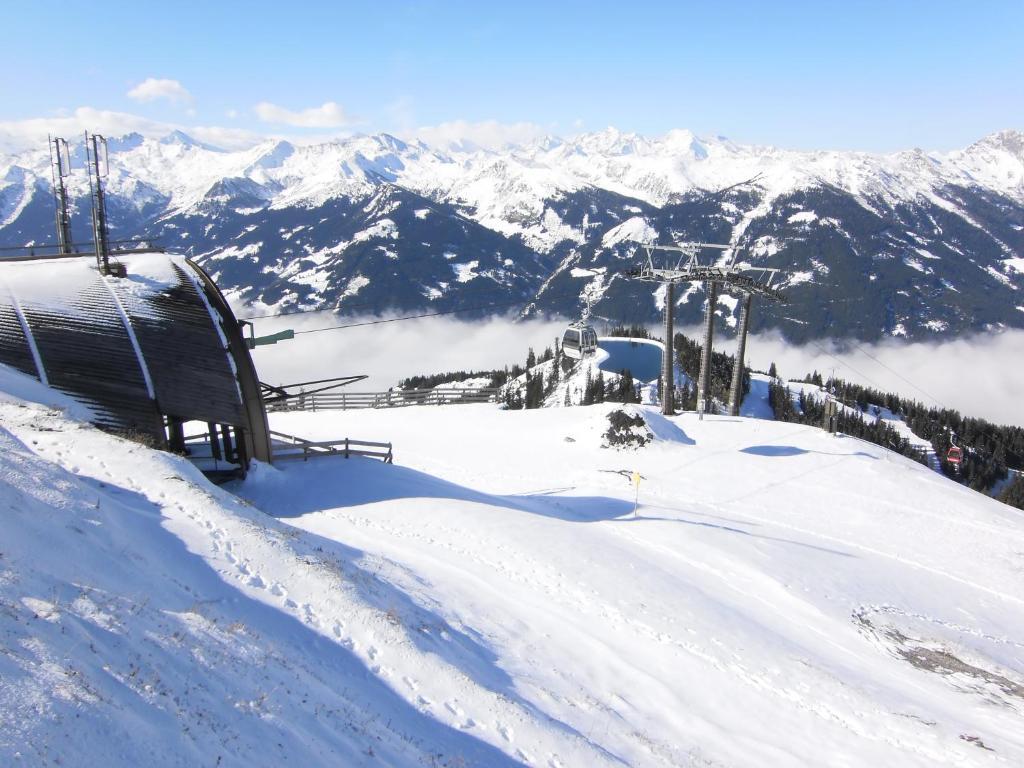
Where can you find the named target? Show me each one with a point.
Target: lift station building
(155, 354)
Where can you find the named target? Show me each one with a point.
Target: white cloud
(968, 373)
(20, 135)
(484, 134)
(155, 88)
(225, 138)
(393, 351)
(327, 115)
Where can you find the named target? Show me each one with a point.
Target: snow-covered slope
(780, 597)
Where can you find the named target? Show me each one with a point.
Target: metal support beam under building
(667, 355)
(704, 381)
(735, 394)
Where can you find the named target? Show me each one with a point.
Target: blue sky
(847, 75)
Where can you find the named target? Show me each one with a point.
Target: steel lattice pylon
(685, 268)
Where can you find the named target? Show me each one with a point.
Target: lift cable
(381, 321)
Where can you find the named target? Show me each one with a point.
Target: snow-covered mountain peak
(996, 161)
(181, 138)
(130, 141)
(272, 154)
(682, 142)
(1010, 140)
(611, 141)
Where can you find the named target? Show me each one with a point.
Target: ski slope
(780, 597)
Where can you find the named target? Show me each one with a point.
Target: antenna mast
(60, 169)
(98, 161)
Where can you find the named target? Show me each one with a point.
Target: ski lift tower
(680, 264)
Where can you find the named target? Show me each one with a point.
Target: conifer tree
(599, 387)
(588, 389)
(1013, 494)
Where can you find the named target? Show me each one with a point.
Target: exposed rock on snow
(627, 430)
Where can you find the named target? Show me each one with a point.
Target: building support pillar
(704, 380)
(736, 390)
(667, 355)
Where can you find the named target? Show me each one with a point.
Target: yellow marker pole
(636, 497)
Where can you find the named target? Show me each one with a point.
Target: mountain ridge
(912, 233)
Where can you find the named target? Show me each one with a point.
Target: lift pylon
(680, 264)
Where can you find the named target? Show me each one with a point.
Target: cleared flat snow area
(782, 597)
(764, 606)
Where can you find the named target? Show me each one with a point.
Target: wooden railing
(291, 447)
(396, 398)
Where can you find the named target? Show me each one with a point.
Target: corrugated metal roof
(187, 359)
(169, 358)
(14, 348)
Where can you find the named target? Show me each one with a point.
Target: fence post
(346, 447)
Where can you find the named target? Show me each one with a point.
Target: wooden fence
(291, 447)
(397, 398)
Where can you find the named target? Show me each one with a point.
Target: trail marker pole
(636, 496)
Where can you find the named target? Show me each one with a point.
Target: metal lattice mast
(704, 380)
(735, 393)
(60, 169)
(667, 356)
(98, 169)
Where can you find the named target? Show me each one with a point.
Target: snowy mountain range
(915, 244)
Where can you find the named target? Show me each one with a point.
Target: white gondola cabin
(579, 340)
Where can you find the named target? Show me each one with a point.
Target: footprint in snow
(454, 708)
(505, 731)
(424, 702)
(289, 603)
(277, 590)
(411, 683)
(257, 582)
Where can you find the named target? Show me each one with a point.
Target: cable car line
(381, 321)
(898, 374)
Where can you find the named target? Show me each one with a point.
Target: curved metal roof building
(147, 353)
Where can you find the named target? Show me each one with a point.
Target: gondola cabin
(954, 456)
(579, 340)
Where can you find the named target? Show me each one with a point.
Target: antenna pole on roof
(60, 169)
(98, 162)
